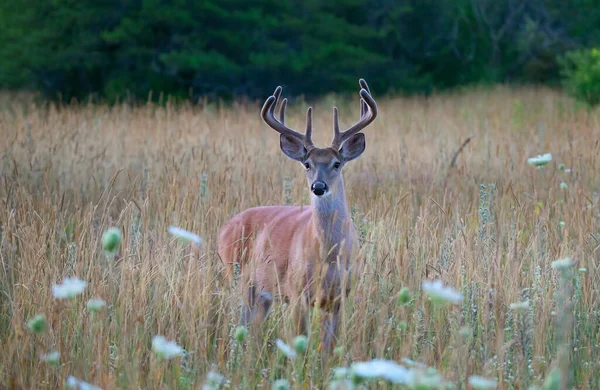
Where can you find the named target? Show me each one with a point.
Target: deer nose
(318, 188)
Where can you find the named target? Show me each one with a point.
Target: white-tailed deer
(301, 252)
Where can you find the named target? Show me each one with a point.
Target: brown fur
(301, 253)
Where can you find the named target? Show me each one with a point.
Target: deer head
(323, 165)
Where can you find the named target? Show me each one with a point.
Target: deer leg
(329, 326)
(256, 307)
(248, 306)
(299, 315)
(264, 301)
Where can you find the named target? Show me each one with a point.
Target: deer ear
(353, 147)
(292, 147)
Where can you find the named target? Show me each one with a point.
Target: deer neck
(332, 221)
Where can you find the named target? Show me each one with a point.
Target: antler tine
(268, 115)
(363, 105)
(308, 133)
(362, 108)
(368, 113)
(282, 110)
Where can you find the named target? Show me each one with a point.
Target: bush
(580, 70)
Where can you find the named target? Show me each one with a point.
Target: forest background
(141, 49)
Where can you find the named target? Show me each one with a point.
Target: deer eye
(307, 166)
(336, 165)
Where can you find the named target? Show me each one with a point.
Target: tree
(228, 48)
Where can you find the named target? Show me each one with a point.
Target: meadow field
(483, 221)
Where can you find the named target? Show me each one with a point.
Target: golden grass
(69, 174)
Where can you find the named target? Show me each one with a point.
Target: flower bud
(404, 296)
(37, 324)
(241, 333)
(300, 343)
(111, 239)
(94, 305)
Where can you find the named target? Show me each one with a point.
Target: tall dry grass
(490, 227)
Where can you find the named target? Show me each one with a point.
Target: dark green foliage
(581, 72)
(129, 48)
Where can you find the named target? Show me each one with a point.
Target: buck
(301, 252)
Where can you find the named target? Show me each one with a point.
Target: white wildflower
(564, 186)
(425, 379)
(540, 160)
(185, 235)
(465, 332)
(379, 368)
(520, 306)
(565, 263)
(51, 358)
(438, 293)
(69, 288)
(561, 224)
(95, 304)
(341, 372)
(165, 349)
(341, 384)
(281, 384)
(213, 381)
(74, 383)
(583, 270)
(286, 349)
(480, 383)
(553, 379)
(412, 363)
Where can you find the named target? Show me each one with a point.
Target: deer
(302, 253)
